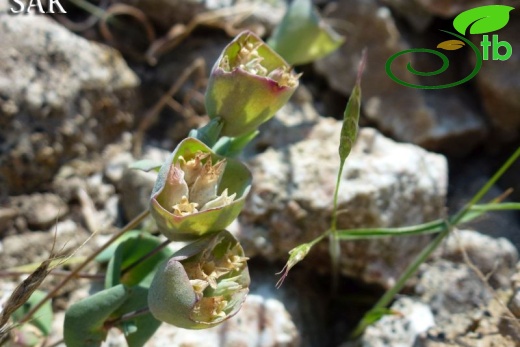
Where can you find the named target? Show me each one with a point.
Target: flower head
(202, 284)
(198, 191)
(248, 84)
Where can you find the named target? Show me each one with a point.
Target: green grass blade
(469, 212)
(389, 295)
(367, 233)
(504, 206)
(487, 186)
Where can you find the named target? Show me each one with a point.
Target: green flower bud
(248, 84)
(198, 191)
(303, 36)
(202, 285)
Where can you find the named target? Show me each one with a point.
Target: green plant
(199, 191)
(441, 227)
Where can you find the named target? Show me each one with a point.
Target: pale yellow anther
(184, 207)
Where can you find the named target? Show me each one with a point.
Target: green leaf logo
(483, 19)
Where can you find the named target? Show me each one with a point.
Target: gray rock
(32, 247)
(166, 13)
(7, 216)
(40, 211)
(117, 165)
(292, 123)
(514, 303)
(136, 185)
(451, 8)
(465, 313)
(61, 97)
(384, 184)
(412, 319)
(495, 258)
(436, 120)
(413, 12)
(453, 291)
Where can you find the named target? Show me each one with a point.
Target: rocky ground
(78, 105)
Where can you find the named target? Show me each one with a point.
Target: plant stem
(335, 202)
(127, 316)
(487, 186)
(412, 268)
(131, 225)
(423, 256)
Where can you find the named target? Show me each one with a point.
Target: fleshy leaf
(302, 36)
(84, 320)
(127, 253)
(483, 19)
(451, 45)
(233, 146)
(139, 329)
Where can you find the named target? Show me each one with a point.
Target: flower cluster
(201, 285)
(198, 192)
(248, 84)
(191, 186)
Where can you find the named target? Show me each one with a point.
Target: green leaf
(84, 320)
(42, 319)
(139, 329)
(146, 165)
(210, 133)
(113, 273)
(107, 254)
(369, 233)
(302, 36)
(233, 146)
(129, 252)
(504, 206)
(238, 143)
(483, 19)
